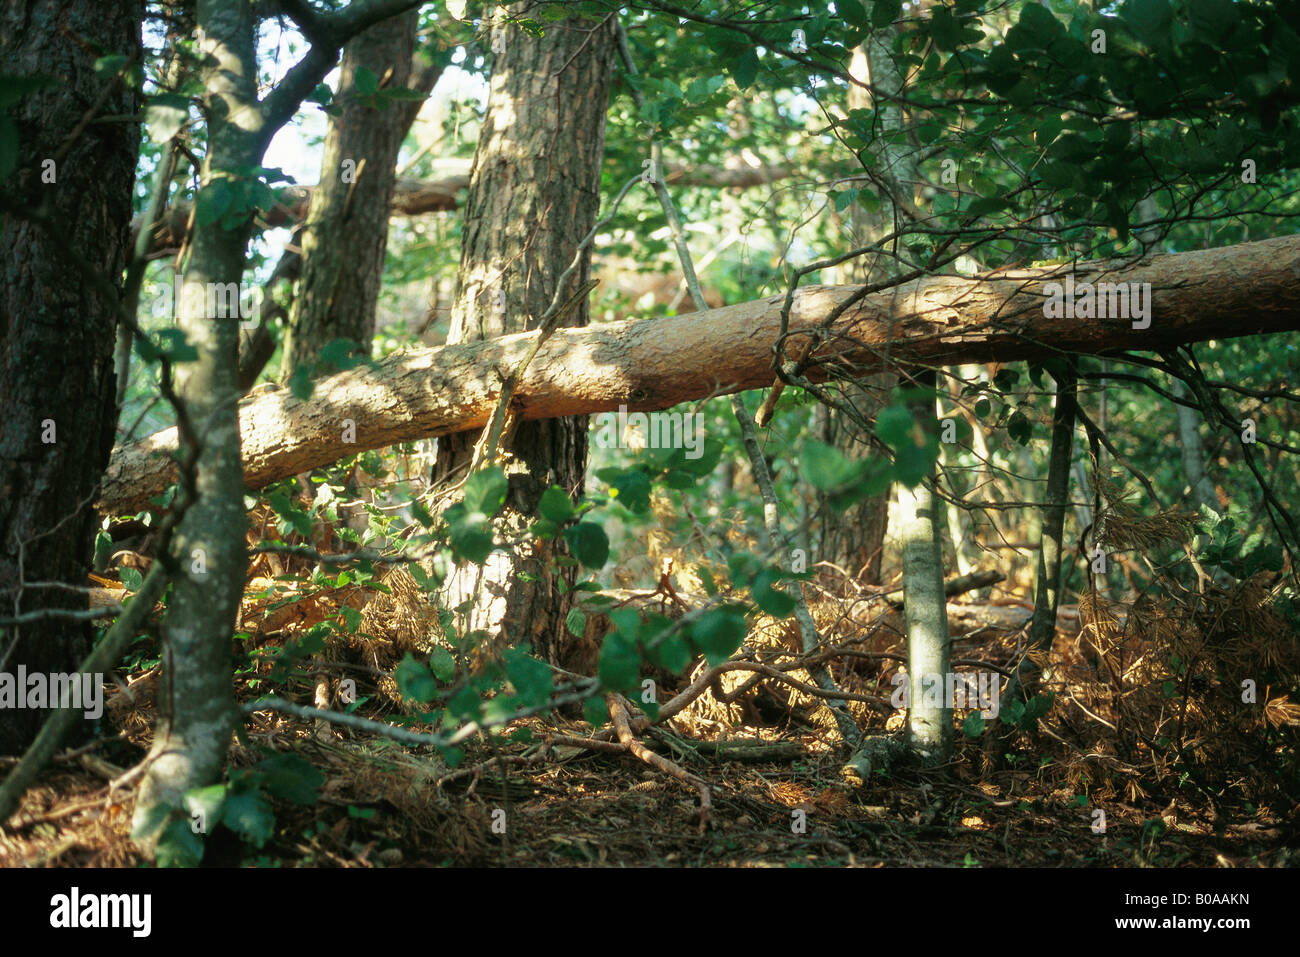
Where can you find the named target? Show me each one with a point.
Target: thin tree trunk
(1047, 584)
(347, 228)
(1193, 452)
(925, 610)
(208, 551)
(854, 539)
(56, 329)
(921, 512)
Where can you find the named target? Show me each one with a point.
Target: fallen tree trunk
(654, 364)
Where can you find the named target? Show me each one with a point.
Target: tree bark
(1051, 535)
(56, 329)
(855, 538)
(645, 365)
(347, 229)
(534, 195)
(208, 551)
(929, 711)
(1192, 449)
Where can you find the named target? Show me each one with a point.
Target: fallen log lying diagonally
(654, 364)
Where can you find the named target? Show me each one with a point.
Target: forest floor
(1197, 778)
(382, 807)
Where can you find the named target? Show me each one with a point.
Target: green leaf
(701, 88)
(1213, 19)
(471, 540)
(249, 814)
(165, 115)
(742, 567)
(556, 505)
(718, 633)
(745, 70)
(485, 491)
(620, 665)
(291, 778)
(885, 12)
(912, 463)
(111, 64)
(207, 803)
(176, 346)
(826, 467)
(338, 355)
(1149, 19)
(131, 578)
(595, 711)
(213, 202)
(423, 578)
(300, 383)
(844, 199)
(465, 704)
(292, 517)
(14, 88)
(776, 602)
(532, 678)
(421, 514)
(179, 846)
(351, 619)
(1019, 428)
(1036, 28)
(576, 622)
(630, 486)
(365, 81)
(707, 456)
(852, 12)
(973, 726)
(414, 680)
(894, 425)
(706, 579)
(589, 544)
(400, 94)
(673, 653)
(442, 664)
(544, 528)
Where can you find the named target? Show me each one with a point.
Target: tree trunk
(57, 329)
(1051, 535)
(534, 195)
(208, 551)
(1239, 290)
(347, 229)
(929, 714)
(921, 512)
(854, 539)
(1193, 452)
